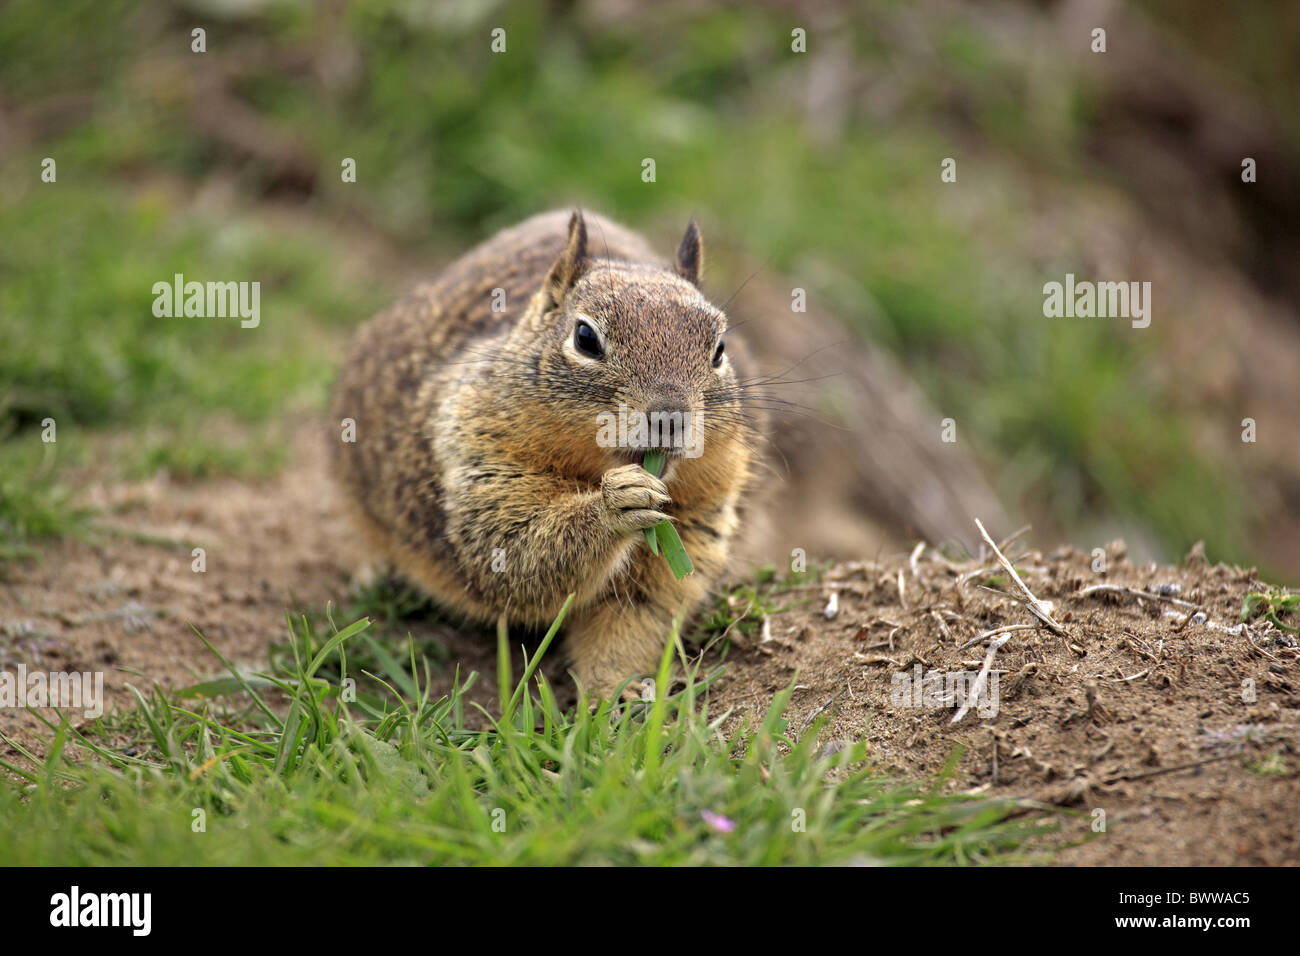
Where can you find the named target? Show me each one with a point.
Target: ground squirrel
(476, 465)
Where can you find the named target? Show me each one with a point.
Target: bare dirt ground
(1182, 729)
(1140, 710)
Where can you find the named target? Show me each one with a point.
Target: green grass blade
(664, 536)
(674, 552)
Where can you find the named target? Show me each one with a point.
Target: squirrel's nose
(670, 422)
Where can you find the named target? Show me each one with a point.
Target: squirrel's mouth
(636, 456)
(668, 451)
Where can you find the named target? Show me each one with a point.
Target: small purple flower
(717, 821)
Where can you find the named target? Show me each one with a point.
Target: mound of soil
(1159, 709)
(1157, 712)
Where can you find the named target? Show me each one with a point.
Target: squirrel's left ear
(568, 267)
(690, 255)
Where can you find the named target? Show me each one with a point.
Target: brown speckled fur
(476, 431)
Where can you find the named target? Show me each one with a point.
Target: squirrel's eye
(717, 355)
(586, 341)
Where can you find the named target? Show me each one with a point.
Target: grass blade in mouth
(663, 536)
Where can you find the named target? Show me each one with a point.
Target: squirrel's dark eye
(717, 355)
(586, 341)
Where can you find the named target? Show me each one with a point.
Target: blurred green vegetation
(159, 173)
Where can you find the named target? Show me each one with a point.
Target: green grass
(391, 606)
(35, 504)
(255, 452)
(284, 773)
(1273, 605)
(83, 345)
(132, 393)
(741, 608)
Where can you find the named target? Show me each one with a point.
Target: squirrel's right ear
(690, 255)
(569, 266)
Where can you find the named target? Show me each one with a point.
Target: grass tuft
(292, 768)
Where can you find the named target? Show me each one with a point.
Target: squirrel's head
(635, 340)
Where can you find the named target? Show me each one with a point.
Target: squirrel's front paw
(632, 498)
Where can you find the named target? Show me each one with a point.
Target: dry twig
(1036, 607)
(982, 678)
(996, 631)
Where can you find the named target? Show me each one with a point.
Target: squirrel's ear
(690, 255)
(568, 267)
